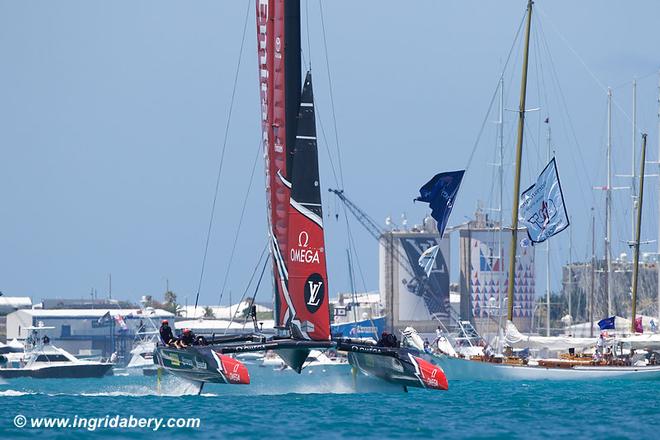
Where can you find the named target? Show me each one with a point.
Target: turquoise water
(326, 405)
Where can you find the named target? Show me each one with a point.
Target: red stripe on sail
(270, 47)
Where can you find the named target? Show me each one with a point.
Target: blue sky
(113, 114)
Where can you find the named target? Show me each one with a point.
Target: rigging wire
(332, 100)
(340, 182)
(584, 64)
(254, 272)
(492, 99)
(240, 224)
(309, 45)
(222, 157)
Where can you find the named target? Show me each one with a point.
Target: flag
(639, 328)
(542, 208)
(607, 323)
(104, 319)
(427, 259)
(439, 193)
(120, 322)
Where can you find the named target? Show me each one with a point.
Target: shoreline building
(484, 274)
(86, 332)
(9, 304)
(577, 285)
(410, 297)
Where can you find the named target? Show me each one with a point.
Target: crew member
(187, 338)
(166, 334)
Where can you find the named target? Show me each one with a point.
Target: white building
(86, 332)
(10, 304)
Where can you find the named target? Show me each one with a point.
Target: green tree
(170, 303)
(208, 312)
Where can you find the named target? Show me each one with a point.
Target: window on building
(66, 330)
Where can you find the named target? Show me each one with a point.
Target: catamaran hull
(212, 364)
(202, 364)
(395, 365)
(463, 369)
(59, 372)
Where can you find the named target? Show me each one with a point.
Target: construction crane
(397, 254)
(369, 224)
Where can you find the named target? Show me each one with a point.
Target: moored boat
(42, 360)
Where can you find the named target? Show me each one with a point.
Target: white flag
(542, 209)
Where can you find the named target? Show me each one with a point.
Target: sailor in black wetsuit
(187, 338)
(388, 340)
(166, 334)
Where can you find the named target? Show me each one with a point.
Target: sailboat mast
(593, 274)
(638, 228)
(500, 249)
(608, 204)
(633, 195)
(658, 256)
(547, 256)
(516, 183)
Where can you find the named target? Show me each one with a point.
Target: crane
(397, 254)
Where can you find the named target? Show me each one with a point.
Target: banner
(439, 193)
(542, 208)
(427, 259)
(607, 323)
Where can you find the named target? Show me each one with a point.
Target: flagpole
(640, 199)
(516, 185)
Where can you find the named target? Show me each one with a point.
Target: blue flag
(439, 193)
(607, 323)
(542, 208)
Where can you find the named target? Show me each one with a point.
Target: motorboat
(40, 359)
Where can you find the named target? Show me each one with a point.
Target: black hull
(196, 364)
(396, 365)
(59, 372)
(201, 363)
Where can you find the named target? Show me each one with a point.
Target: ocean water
(327, 404)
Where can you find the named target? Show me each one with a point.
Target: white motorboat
(42, 360)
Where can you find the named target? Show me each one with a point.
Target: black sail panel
(305, 184)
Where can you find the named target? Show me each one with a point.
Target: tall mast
(500, 248)
(608, 204)
(570, 271)
(638, 228)
(516, 184)
(658, 257)
(592, 286)
(547, 256)
(633, 194)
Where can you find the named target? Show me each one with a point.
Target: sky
(113, 117)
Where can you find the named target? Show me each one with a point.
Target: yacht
(40, 359)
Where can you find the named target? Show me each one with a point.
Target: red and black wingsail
(278, 35)
(308, 280)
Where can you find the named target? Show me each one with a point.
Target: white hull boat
(464, 369)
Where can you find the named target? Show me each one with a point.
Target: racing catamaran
(297, 243)
(294, 215)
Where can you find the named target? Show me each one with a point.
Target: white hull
(462, 369)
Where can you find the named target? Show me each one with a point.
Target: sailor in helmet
(187, 338)
(166, 334)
